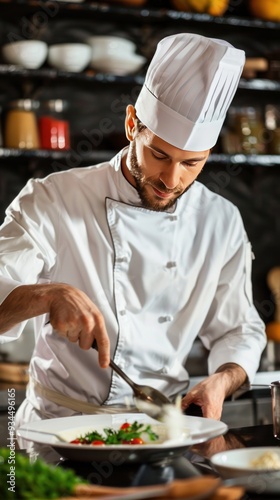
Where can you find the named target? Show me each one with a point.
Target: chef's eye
(186, 164)
(158, 156)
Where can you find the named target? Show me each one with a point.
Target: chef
(137, 254)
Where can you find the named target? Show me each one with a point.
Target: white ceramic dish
(73, 57)
(118, 65)
(46, 432)
(237, 463)
(29, 54)
(114, 46)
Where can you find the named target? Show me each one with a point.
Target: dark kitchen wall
(255, 191)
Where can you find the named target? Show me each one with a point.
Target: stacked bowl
(113, 54)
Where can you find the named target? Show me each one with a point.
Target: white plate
(198, 430)
(237, 463)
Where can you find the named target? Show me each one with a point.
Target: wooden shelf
(104, 155)
(90, 76)
(148, 13)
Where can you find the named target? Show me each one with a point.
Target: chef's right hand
(75, 317)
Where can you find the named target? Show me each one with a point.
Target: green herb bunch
(35, 481)
(120, 436)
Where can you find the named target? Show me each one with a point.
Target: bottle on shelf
(53, 128)
(21, 128)
(245, 132)
(272, 121)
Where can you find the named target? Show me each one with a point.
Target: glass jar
(272, 123)
(248, 126)
(53, 128)
(21, 128)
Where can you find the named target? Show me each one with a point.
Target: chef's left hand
(211, 392)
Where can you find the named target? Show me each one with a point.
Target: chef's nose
(171, 175)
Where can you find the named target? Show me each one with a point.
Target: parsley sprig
(35, 481)
(112, 436)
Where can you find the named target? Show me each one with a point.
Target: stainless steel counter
(261, 378)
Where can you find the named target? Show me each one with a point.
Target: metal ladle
(142, 392)
(154, 400)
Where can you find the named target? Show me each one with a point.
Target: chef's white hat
(188, 89)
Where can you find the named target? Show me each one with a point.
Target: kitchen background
(63, 97)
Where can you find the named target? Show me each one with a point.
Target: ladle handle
(254, 386)
(117, 369)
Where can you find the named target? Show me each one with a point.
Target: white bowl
(114, 46)
(29, 54)
(72, 57)
(236, 463)
(118, 65)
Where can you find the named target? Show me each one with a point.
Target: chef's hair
(140, 125)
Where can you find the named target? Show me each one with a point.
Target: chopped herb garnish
(134, 433)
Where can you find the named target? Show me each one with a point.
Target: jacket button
(171, 264)
(122, 259)
(164, 319)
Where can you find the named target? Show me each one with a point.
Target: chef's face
(159, 171)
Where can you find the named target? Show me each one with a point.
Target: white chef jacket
(160, 279)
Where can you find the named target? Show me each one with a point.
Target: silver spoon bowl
(141, 392)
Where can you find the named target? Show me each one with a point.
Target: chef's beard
(149, 201)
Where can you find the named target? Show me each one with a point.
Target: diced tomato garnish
(133, 441)
(98, 443)
(136, 441)
(126, 425)
(76, 441)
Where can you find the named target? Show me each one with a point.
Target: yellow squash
(129, 3)
(269, 10)
(212, 7)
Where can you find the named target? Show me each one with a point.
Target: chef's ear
(130, 122)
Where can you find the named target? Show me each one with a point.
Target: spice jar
(21, 129)
(248, 126)
(272, 123)
(53, 128)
